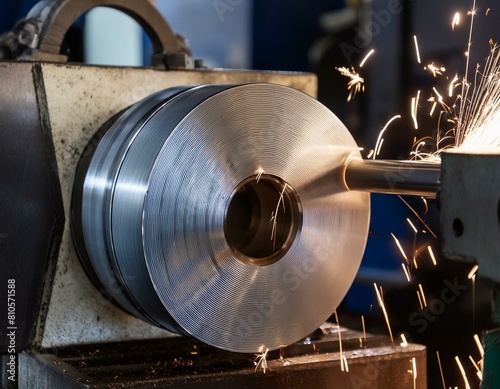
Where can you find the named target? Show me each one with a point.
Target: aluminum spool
(220, 212)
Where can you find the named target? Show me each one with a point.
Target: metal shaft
(393, 177)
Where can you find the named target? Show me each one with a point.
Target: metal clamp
(39, 36)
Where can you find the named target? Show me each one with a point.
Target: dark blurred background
(319, 36)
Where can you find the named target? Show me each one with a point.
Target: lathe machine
(226, 206)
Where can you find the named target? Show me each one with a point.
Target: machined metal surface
(186, 363)
(393, 177)
(100, 244)
(156, 211)
(470, 210)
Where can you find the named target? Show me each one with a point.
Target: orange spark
(462, 371)
(400, 248)
(412, 225)
(420, 300)
(453, 85)
(378, 144)
(434, 105)
(404, 342)
(441, 369)
(431, 253)
(456, 21)
(259, 172)
(414, 108)
(416, 48)
(407, 274)
(261, 359)
(473, 271)
(435, 70)
(479, 345)
(364, 329)
(343, 361)
(418, 216)
(366, 57)
(479, 373)
(356, 83)
(422, 294)
(382, 306)
(440, 98)
(414, 372)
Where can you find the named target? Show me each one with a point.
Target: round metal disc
(225, 215)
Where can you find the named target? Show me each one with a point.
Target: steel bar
(393, 177)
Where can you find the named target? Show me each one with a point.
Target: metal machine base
(186, 363)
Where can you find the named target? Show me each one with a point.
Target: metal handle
(393, 177)
(40, 35)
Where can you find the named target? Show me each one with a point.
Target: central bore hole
(262, 219)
